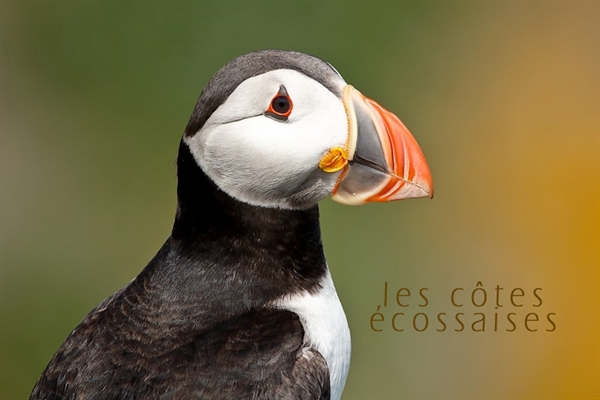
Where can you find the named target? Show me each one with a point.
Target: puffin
(239, 302)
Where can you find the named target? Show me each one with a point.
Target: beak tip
(429, 189)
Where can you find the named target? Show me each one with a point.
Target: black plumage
(194, 322)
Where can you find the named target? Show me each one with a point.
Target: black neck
(206, 213)
(225, 257)
(241, 255)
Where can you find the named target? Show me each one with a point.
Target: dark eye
(281, 105)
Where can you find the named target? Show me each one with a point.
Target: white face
(270, 162)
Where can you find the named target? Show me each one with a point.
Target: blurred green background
(503, 98)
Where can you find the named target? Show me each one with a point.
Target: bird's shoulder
(259, 353)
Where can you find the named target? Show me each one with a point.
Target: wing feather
(258, 354)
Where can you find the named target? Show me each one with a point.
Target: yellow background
(503, 98)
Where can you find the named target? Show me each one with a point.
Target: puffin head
(282, 129)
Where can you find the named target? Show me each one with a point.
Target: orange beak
(385, 162)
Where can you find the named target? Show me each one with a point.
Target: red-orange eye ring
(281, 106)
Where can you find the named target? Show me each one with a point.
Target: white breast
(326, 329)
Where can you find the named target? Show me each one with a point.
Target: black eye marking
(281, 106)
